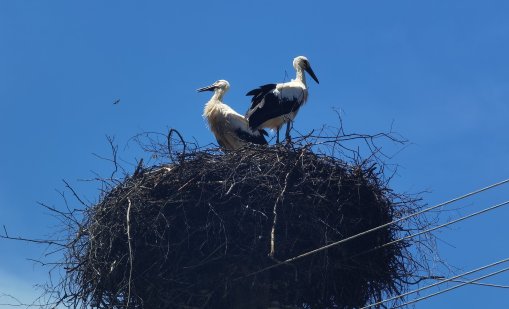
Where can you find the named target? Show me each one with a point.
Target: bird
(273, 105)
(230, 128)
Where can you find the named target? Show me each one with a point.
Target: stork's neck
(218, 95)
(300, 76)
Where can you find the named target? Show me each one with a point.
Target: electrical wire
(438, 283)
(490, 285)
(375, 229)
(434, 228)
(453, 287)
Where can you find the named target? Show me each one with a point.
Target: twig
(170, 134)
(130, 251)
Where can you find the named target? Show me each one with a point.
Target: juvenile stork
(230, 128)
(273, 105)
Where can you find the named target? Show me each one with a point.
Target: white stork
(230, 128)
(273, 105)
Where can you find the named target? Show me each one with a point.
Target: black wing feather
(259, 93)
(272, 107)
(255, 139)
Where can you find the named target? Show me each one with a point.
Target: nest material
(194, 234)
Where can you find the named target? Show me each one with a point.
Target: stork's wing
(251, 138)
(272, 105)
(259, 93)
(240, 127)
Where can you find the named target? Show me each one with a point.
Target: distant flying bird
(116, 101)
(273, 105)
(230, 128)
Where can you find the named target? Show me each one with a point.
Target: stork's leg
(289, 126)
(277, 135)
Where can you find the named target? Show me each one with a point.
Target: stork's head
(221, 85)
(302, 62)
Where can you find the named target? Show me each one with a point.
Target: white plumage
(273, 105)
(230, 128)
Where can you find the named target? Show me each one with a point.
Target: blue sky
(437, 70)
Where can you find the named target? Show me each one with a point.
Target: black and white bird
(273, 105)
(230, 128)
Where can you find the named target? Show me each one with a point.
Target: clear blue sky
(438, 69)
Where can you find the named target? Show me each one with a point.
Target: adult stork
(230, 128)
(273, 105)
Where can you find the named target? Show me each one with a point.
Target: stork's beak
(208, 88)
(311, 73)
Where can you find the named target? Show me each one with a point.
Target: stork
(273, 105)
(230, 128)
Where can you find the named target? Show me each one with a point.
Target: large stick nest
(198, 233)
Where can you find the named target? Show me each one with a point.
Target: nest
(214, 230)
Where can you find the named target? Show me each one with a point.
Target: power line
(438, 283)
(454, 287)
(375, 229)
(491, 285)
(434, 228)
